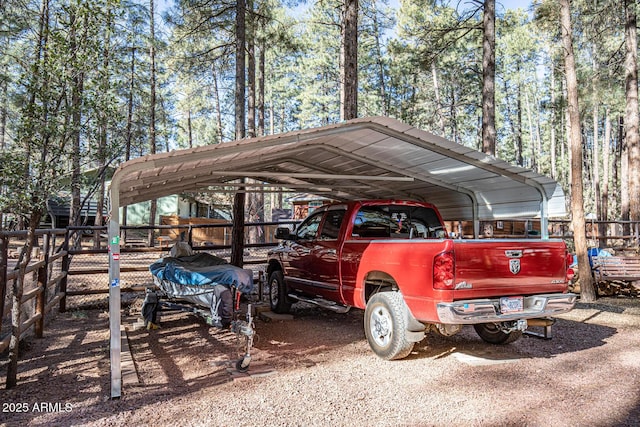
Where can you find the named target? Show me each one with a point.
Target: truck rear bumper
(488, 310)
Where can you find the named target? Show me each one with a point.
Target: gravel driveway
(317, 370)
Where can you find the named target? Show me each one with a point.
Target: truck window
(308, 230)
(397, 222)
(332, 223)
(372, 221)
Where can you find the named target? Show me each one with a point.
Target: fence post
(41, 298)
(4, 255)
(66, 262)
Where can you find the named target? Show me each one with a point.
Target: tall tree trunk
(577, 203)
(519, 148)
(596, 167)
(631, 112)
(436, 91)
(623, 160)
(606, 149)
(261, 81)
(566, 146)
(454, 116)
(152, 119)
(237, 234)
(537, 129)
(102, 144)
(240, 70)
(596, 146)
(127, 151)
(260, 199)
(3, 113)
(189, 130)
(381, 78)
(77, 80)
(216, 97)
(552, 136)
(251, 72)
(489, 78)
(349, 61)
(532, 141)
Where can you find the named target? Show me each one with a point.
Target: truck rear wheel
(278, 293)
(491, 333)
(385, 326)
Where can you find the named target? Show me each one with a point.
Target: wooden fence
(40, 295)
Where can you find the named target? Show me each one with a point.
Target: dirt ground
(317, 370)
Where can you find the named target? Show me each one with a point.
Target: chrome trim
(488, 310)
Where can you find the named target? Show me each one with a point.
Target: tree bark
(102, 147)
(606, 149)
(488, 78)
(261, 81)
(436, 91)
(349, 61)
(552, 136)
(152, 119)
(631, 112)
(216, 96)
(3, 113)
(587, 288)
(381, 75)
(237, 233)
(251, 73)
(623, 174)
(77, 80)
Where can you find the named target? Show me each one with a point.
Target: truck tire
(278, 299)
(385, 326)
(491, 333)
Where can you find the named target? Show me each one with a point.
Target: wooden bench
(624, 269)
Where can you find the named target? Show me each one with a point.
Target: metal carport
(373, 157)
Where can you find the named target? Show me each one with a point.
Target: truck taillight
(443, 271)
(570, 272)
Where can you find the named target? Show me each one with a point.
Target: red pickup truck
(395, 260)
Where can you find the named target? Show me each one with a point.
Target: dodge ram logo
(514, 265)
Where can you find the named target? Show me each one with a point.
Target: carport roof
(373, 157)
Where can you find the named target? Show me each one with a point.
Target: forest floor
(317, 369)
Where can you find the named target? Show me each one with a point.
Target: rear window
(397, 222)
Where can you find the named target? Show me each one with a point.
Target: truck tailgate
(485, 268)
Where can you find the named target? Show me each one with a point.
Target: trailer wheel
(278, 293)
(491, 333)
(385, 326)
(242, 365)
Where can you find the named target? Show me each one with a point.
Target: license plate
(511, 304)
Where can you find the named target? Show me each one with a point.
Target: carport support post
(544, 220)
(237, 233)
(114, 293)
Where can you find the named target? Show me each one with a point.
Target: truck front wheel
(493, 334)
(278, 293)
(385, 326)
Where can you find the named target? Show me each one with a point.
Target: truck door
(326, 255)
(313, 266)
(300, 268)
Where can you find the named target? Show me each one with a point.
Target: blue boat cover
(202, 269)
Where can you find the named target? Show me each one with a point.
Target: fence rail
(41, 294)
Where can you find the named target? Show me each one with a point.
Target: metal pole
(114, 291)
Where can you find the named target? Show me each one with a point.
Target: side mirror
(283, 233)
